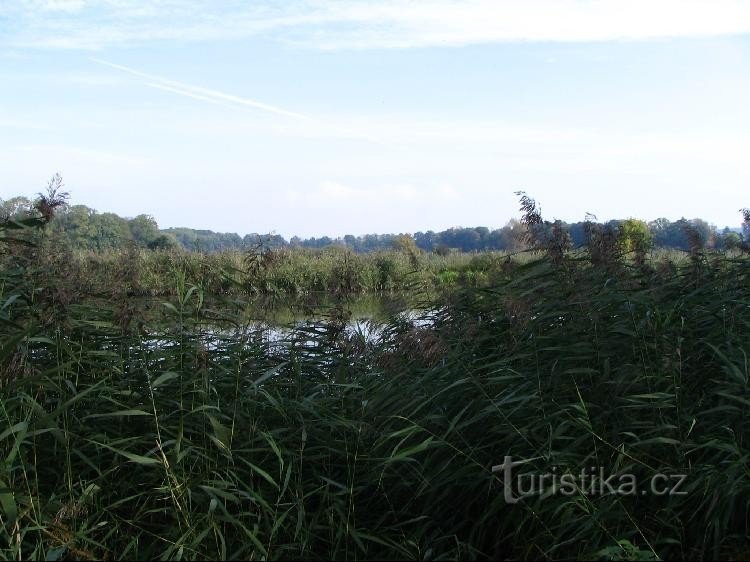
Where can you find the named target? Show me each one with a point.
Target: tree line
(85, 228)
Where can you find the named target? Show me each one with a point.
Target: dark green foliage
(194, 436)
(144, 229)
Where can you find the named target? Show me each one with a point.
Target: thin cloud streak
(187, 94)
(229, 100)
(201, 93)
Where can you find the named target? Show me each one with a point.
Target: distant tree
(746, 224)
(484, 238)
(427, 241)
(671, 234)
(144, 230)
(86, 229)
(731, 240)
(405, 243)
(660, 230)
(678, 234)
(276, 241)
(110, 231)
(577, 232)
(514, 236)
(163, 242)
(469, 239)
(634, 236)
(705, 231)
(74, 223)
(495, 240)
(15, 207)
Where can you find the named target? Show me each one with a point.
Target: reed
(202, 438)
(286, 272)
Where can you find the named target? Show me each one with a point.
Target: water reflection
(282, 321)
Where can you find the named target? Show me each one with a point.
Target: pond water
(275, 320)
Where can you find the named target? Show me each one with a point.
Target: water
(275, 322)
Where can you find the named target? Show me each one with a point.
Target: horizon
(492, 227)
(326, 119)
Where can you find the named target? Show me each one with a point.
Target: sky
(322, 117)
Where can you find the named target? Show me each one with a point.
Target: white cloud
(400, 24)
(333, 24)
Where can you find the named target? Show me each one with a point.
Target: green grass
(188, 443)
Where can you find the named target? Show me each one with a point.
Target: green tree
(731, 240)
(144, 229)
(405, 243)
(109, 230)
(163, 242)
(15, 207)
(75, 223)
(634, 236)
(513, 235)
(705, 231)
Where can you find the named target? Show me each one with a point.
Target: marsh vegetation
(133, 436)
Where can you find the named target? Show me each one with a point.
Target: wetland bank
(189, 425)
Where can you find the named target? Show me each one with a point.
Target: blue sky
(321, 117)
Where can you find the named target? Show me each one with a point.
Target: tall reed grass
(193, 442)
(285, 271)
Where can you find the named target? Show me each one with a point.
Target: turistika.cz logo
(590, 481)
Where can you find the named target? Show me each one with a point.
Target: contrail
(197, 92)
(229, 100)
(186, 94)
